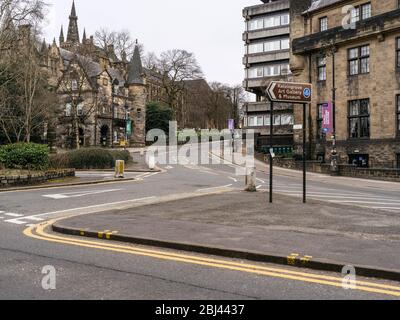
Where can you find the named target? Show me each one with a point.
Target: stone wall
(344, 170)
(34, 177)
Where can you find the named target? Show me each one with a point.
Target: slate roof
(319, 4)
(92, 68)
(135, 73)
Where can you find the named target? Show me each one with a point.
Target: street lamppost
(330, 50)
(126, 124)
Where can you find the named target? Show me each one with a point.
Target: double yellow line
(38, 232)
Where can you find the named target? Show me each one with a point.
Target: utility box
(119, 169)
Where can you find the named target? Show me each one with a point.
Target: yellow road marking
(248, 268)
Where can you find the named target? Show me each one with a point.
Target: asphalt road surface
(96, 271)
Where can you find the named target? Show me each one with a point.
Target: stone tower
(136, 85)
(73, 31)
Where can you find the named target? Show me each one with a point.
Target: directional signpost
(289, 92)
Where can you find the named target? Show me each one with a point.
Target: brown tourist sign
(290, 92)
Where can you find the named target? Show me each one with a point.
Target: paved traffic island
(242, 225)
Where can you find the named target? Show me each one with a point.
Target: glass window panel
(286, 119)
(285, 19)
(364, 132)
(68, 109)
(353, 67)
(269, 22)
(285, 69)
(365, 65)
(285, 44)
(322, 73)
(365, 51)
(398, 103)
(355, 15)
(366, 11)
(260, 121)
(398, 122)
(267, 120)
(277, 120)
(364, 107)
(354, 128)
(354, 109)
(323, 24)
(353, 53)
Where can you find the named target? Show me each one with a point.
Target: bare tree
(121, 40)
(14, 13)
(176, 67)
(26, 102)
(150, 61)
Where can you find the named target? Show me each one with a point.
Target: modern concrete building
(352, 58)
(267, 53)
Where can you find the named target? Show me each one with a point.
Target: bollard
(151, 162)
(119, 169)
(251, 180)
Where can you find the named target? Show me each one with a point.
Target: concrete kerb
(318, 264)
(66, 185)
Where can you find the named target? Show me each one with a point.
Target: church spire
(84, 36)
(135, 73)
(73, 32)
(62, 35)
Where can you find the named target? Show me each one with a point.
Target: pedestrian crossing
(360, 199)
(18, 219)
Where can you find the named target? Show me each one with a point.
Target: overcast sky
(212, 29)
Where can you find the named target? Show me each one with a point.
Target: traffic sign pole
(297, 93)
(304, 154)
(271, 148)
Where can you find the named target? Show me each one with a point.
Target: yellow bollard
(119, 169)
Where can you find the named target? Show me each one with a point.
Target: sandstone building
(102, 98)
(352, 58)
(267, 53)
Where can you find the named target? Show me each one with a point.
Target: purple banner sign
(327, 118)
(231, 124)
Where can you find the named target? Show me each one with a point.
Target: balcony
(265, 33)
(265, 8)
(257, 83)
(266, 57)
(265, 106)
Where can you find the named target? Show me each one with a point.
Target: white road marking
(15, 215)
(105, 205)
(235, 180)
(169, 167)
(78, 194)
(206, 189)
(262, 181)
(366, 202)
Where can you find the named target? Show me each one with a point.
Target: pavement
(243, 225)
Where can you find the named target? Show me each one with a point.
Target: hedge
(29, 156)
(89, 158)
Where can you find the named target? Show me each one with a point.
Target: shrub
(121, 155)
(59, 161)
(25, 156)
(89, 158)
